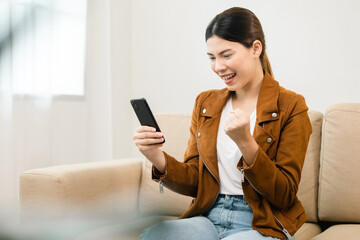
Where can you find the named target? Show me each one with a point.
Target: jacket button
(274, 115)
(269, 140)
(204, 110)
(199, 135)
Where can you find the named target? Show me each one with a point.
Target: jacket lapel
(211, 109)
(266, 110)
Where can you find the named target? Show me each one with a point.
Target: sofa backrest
(176, 131)
(175, 128)
(308, 188)
(339, 191)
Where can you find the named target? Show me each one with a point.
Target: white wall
(120, 19)
(312, 45)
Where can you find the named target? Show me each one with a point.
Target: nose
(219, 66)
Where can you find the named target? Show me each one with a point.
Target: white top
(229, 154)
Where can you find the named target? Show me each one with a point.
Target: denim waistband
(229, 197)
(238, 197)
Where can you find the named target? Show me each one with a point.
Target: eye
(227, 55)
(212, 58)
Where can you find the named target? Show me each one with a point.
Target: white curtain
(45, 123)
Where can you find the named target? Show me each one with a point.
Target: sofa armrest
(109, 187)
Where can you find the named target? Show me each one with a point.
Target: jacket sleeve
(279, 182)
(182, 177)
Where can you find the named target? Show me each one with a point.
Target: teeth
(229, 76)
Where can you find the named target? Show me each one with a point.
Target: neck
(252, 89)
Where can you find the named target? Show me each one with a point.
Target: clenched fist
(237, 126)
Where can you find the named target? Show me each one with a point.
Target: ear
(256, 48)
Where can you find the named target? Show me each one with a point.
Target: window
(42, 46)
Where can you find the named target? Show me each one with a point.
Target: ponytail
(265, 63)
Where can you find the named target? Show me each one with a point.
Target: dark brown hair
(240, 25)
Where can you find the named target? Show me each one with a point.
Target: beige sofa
(122, 194)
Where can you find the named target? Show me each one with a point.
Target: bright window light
(47, 44)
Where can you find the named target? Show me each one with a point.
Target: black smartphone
(144, 114)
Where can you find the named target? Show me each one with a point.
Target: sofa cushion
(307, 231)
(308, 188)
(339, 193)
(342, 231)
(151, 201)
(81, 189)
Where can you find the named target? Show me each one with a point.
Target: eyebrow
(222, 52)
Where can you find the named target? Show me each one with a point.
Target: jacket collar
(213, 105)
(267, 103)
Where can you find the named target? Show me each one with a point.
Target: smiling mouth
(228, 76)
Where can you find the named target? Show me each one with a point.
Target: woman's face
(235, 64)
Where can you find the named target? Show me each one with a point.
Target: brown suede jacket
(282, 132)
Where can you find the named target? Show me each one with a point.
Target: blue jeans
(229, 219)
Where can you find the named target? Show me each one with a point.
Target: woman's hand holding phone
(148, 138)
(149, 143)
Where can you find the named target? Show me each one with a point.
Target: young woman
(246, 149)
